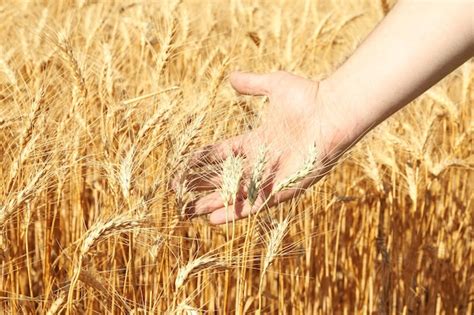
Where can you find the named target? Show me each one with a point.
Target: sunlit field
(102, 104)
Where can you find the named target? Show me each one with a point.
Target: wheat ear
(21, 197)
(125, 172)
(275, 240)
(8, 72)
(195, 266)
(93, 280)
(57, 305)
(232, 170)
(98, 232)
(307, 168)
(80, 84)
(257, 176)
(276, 237)
(186, 139)
(27, 140)
(101, 230)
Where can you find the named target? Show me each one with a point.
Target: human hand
(300, 137)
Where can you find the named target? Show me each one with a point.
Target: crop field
(102, 104)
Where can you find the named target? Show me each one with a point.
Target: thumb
(250, 83)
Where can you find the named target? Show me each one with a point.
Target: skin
(413, 47)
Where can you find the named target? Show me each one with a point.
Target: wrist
(340, 122)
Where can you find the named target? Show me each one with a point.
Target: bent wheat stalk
(195, 266)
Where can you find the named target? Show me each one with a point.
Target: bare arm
(416, 45)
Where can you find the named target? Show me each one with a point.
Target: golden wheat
(102, 105)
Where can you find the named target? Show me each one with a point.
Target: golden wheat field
(102, 103)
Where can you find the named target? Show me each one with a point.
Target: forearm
(415, 46)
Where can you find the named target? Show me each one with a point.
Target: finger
(214, 201)
(223, 215)
(202, 183)
(207, 204)
(241, 210)
(218, 152)
(250, 83)
(212, 179)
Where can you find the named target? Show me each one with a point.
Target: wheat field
(103, 102)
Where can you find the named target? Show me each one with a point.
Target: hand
(297, 119)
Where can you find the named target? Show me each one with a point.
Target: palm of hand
(292, 125)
